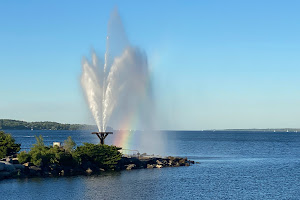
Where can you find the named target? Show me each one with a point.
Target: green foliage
(41, 155)
(7, 145)
(24, 157)
(104, 156)
(69, 144)
(101, 156)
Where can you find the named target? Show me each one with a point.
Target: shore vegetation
(7, 145)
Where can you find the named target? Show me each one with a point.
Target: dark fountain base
(102, 135)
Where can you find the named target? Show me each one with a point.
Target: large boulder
(19, 166)
(8, 166)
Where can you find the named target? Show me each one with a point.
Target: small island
(69, 160)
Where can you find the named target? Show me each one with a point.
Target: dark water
(234, 165)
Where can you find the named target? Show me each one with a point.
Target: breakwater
(11, 168)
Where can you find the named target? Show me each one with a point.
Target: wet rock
(19, 166)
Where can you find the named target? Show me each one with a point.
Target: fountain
(120, 87)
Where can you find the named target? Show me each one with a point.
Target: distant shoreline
(9, 124)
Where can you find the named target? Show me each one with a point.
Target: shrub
(104, 156)
(41, 155)
(7, 145)
(24, 157)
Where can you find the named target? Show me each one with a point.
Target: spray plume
(120, 87)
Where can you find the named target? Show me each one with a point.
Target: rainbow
(126, 137)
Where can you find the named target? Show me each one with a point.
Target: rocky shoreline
(10, 167)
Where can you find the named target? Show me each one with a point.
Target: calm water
(234, 165)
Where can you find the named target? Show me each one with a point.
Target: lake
(233, 165)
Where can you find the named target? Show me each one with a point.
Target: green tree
(7, 145)
(39, 153)
(24, 157)
(104, 156)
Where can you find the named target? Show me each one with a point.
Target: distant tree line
(9, 124)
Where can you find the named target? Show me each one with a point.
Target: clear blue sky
(215, 64)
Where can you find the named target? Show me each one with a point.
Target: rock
(149, 166)
(159, 162)
(35, 168)
(102, 170)
(2, 166)
(159, 166)
(182, 161)
(28, 164)
(8, 166)
(89, 171)
(8, 159)
(15, 161)
(62, 173)
(35, 171)
(130, 166)
(4, 174)
(165, 162)
(19, 166)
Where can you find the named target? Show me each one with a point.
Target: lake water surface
(234, 165)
